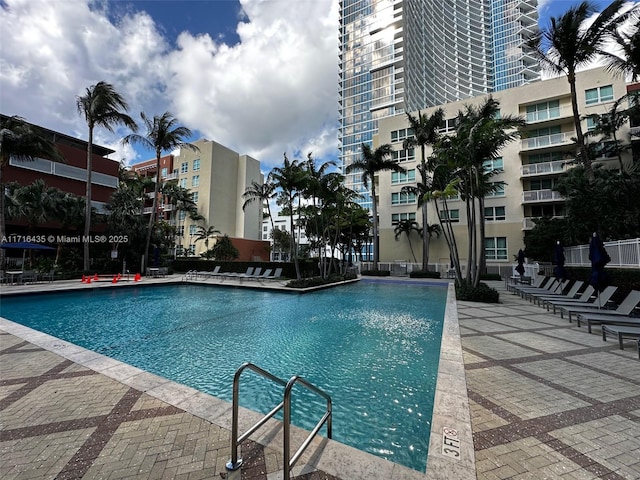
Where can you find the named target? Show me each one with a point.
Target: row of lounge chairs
(250, 274)
(585, 305)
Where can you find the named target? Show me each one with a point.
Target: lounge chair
(557, 290)
(277, 273)
(598, 302)
(573, 291)
(265, 274)
(595, 317)
(250, 271)
(551, 286)
(597, 306)
(583, 299)
(622, 332)
(214, 273)
(515, 289)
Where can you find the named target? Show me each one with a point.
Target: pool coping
(450, 455)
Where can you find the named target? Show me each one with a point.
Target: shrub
(491, 276)
(482, 293)
(376, 273)
(318, 281)
(424, 274)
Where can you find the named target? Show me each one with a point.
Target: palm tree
(260, 192)
(629, 61)
(23, 142)
(163, 135)
(425, 132)
(408, 227)
(372, 162)
(567, 44)
(70, 214)
(607, 124)
(101, 106)
(205, 233)
(289, 179)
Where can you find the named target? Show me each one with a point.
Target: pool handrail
(235, 463)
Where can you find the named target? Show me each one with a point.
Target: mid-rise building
(526, 171)
(406, 55)
(217, 177)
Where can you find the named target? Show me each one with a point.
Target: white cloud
(275, 91)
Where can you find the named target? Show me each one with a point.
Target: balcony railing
(549, 114)
(147, 210)
(534, 196)
(544, 168)
(167, 207)
(546, 141)
(170, 176)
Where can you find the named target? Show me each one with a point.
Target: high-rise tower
(398, 55)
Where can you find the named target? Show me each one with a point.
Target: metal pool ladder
(235, 463)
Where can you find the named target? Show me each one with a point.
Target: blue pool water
(373, 346)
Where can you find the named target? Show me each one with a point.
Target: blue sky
(259, 76)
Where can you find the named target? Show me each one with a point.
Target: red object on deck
(115, 279)
(136, 278)
(83, 279)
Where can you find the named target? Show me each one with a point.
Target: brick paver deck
(546, 400)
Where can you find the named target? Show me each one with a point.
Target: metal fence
(623, 253)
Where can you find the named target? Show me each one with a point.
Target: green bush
(491, 277)
(424, 274)
(376, 273)
(482, 293)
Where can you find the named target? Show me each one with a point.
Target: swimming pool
(374, 347)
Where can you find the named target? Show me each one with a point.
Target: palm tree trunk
(374, 210)
(582, 147)
(156, 189)
(4, 160)
(87, 210)
(426, 237)
(481, 250)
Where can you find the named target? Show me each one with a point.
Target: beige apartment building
(529, 167)
(217, 176)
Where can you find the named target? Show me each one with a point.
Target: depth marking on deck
(450, 442)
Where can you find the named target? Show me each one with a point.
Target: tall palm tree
(407, 227)
(204, 232)
(568, 43)
(607, 124)
(101, 106)
(260, 192)
(23, 142)
(629, 60)
(164, 134)
(425, 132)
(372, 162)
(289, 179)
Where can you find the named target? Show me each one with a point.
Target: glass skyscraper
(406, 55)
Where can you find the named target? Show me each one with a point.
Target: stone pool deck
(545, 400)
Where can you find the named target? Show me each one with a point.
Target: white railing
(170, 176)
(623, 253)
(546, 141)
(543, 168)
(147, 210)
(549, 114)
(541, 196)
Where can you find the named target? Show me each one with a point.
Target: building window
(183, 182)
(180, 231)
(402, 134)
(396, 218)
(546, 157)
(592, 123)
(543, 111)
(494, 165)
(453, 216)
(497, 190)
(163, 172)
(599, 94)
(193, 229)
(447, 126)
(404, 155)
(192, 249)
(195, 181)
(195, 197)
(495, 248)
(403, 177)
(196, 165)
(403, 198)
(544, 184)
(184, 167)
(494, 213)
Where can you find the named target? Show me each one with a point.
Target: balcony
(544, 168)
(170, 176)
(539, 196)
(167, 207)
(147, 210)
(557, 139)
(549, 114)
